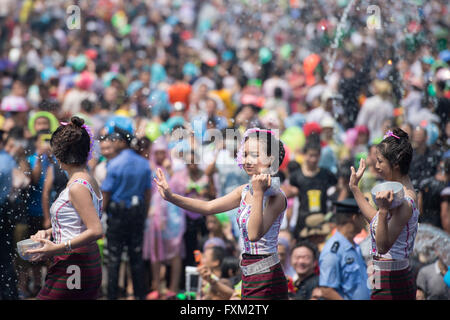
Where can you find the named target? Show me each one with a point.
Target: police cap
(348, 205)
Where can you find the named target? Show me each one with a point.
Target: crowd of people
(139, 72)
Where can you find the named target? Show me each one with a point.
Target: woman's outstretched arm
(222, 204)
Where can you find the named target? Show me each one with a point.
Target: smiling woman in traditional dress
(259, 216)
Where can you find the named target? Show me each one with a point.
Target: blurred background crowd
(330, 76)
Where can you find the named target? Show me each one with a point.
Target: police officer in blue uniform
(343, 272)
(126, 197)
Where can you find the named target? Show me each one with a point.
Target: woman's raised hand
(163, 186)
(261, 182)
(384, 199)
(356, 175)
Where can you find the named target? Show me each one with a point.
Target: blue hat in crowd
(121, 122)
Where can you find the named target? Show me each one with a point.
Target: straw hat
(315, 226)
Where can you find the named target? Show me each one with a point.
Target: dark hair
(219, 83)
(270, 141)
(281, 175)
(87, 105)
(293, 166)
(218, 254)
(312, 143)
(397, 150)
(278, 72)
(48, 105)
(140, 145)
(344, 169)
(229, 263)
(178, 75)
(41, 132)
(16, 133)
(164, 115)
(307, 244)
(120, 134)
(278, 92)
(71, 143)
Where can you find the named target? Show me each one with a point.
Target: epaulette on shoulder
(335, 247)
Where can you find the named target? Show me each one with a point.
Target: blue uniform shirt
(342, 267)
(7, 164)
(127, 175)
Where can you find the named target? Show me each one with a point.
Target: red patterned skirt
(272, 285)
(74, 276)
(395, 285)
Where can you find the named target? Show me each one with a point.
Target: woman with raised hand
(75, 216)
(259, 215)
(392, 230)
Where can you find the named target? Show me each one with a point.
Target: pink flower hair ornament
(389, 133)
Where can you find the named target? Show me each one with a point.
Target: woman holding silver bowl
(393, 226)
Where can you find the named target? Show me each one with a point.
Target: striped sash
(270, 285)
(61, 282)
(395, 285)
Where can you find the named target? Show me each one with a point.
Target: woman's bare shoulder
(411, 193)
(239, 189)
(91, 180)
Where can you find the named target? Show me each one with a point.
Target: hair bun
(77, 121)
(400, 133)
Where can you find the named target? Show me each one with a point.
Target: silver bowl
(396, 187)
(28, 244)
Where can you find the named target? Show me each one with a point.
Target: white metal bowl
(396, 187)
(25, 245)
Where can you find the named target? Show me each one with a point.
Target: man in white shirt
(376, 109)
